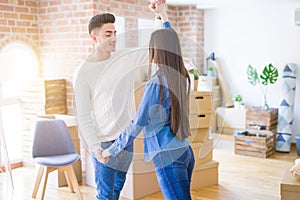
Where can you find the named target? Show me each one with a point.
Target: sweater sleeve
(148, 105)
(86, 125)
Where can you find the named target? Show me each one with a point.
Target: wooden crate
(44, 96)
(258, 143)
(255, 116)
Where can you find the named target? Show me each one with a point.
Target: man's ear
(93, 37)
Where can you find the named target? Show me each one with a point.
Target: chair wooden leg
(38, 181)
(48, 170)
(72, 177)
(68, 181)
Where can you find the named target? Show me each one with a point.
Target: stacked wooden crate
(258, 143)
(261, 126)
(266, 119)
(206, 169)
(40, 97)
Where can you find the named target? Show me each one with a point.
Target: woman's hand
(156, 6)
(101, 158)
(159, 10)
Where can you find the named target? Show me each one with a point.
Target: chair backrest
(51, 137)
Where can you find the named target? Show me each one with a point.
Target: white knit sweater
(104, 96)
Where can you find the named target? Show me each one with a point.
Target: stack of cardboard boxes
(206, 169)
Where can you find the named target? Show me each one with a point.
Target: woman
(163, 114)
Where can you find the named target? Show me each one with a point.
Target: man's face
(105, 37)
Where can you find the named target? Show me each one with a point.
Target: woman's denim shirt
(153, 117)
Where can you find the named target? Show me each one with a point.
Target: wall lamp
(210, 57)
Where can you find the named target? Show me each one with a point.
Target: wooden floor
(240, 178)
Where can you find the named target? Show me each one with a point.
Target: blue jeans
(110, 177)
(175, 178)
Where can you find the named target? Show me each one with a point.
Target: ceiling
(206, 4)
(201, 4)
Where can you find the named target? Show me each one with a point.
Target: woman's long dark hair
(165, 51)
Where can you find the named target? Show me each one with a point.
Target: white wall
(256, 32)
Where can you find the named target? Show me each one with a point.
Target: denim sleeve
(142, 118)
(166, 24)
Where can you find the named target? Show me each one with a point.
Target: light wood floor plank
(240, 177)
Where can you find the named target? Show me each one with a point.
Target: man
(103, 91)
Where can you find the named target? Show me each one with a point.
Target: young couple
(105, 107)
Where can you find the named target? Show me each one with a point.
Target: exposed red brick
(31, 3)
(7, 15)
(10, 22)
(3, 22)
(19, 9)
(6, 7)
(4, 29)
(18, 30)
(26, 16)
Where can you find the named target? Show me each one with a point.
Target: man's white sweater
(104, 96)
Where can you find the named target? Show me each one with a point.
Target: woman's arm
(150, 99)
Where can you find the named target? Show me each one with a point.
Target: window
(17, 62)
(146, 27)
(120, 28)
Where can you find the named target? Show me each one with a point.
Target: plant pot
(237, 104)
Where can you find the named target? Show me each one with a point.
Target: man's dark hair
(98, 20)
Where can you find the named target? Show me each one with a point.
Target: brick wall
(18, 23)
(57, 30)
(189, 23)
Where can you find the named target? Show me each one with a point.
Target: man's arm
(83, 106)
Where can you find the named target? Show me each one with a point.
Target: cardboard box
(203, 152)
(199, 135)
(140, 179)
(289, 186)
(202, 120)
(230, 119)
(205, 175)
(200, 102)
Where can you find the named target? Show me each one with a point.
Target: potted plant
(237, 101)
(210, 70)
(195, 74)
(268, 76)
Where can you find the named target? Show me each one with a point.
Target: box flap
(289, 182)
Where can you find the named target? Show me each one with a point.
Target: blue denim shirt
(153, 117)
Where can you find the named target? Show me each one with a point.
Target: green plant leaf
(195, 73)
(252, 75)
(269, 75)
(238, 98)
